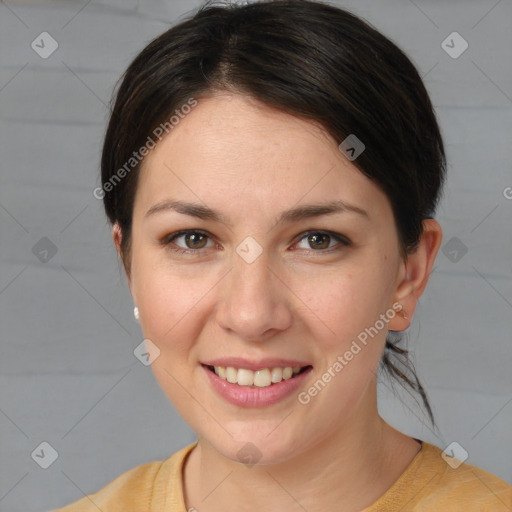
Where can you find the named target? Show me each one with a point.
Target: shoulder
(433, 482)
(133, 488)
(142, 487)
(449, 485)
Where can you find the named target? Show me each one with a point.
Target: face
(256, 277)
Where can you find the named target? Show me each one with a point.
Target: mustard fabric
(428, 484)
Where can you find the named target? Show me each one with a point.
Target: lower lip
(247, 396)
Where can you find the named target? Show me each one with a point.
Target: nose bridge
(252, 302)
(251, 277)
(251, 286)
(251, 274)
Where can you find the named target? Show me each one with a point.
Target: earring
(136, 313)
(404, 316)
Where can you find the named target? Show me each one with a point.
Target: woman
(271, 172)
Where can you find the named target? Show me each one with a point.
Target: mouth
(262, 378)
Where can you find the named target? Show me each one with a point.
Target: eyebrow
(293, 215)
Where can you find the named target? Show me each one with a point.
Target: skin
(296, 300)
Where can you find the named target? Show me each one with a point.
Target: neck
(347, 471)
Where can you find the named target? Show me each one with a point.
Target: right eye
(194, 240)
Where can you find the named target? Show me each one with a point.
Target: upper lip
(240, 362)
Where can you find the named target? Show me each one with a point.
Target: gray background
(68, 373)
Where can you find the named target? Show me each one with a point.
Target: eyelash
(167, 241)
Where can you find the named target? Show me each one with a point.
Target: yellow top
(428, 484)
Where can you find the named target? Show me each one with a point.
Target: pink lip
(247, 396)
(240, 362)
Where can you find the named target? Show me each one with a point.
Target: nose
(255, 303)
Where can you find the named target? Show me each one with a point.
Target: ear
(117, 237)
(414, 274)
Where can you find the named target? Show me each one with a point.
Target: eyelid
(172, 236)
(342, 240)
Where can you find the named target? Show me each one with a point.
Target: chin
(257, 448)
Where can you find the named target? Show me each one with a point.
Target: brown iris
(319, 241)
(195, 240)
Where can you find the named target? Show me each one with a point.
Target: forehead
(233, 148)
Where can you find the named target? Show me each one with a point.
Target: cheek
(343, 302)
(170, 300)
(349, 337)
(169, 311)
(172, 307)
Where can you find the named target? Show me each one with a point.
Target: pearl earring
(136, 313)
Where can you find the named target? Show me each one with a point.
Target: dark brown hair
(306, 58)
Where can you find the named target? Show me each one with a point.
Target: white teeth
(277, 374)
(245, 377)
(287, 373)
(231, 375)
(260, 378)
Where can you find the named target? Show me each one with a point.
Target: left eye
(321, 240)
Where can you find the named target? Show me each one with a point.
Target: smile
(261, 387)
(262, 378)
